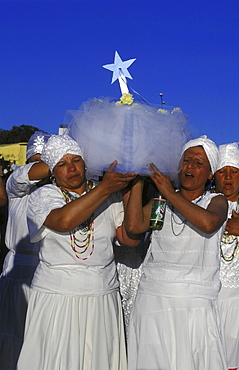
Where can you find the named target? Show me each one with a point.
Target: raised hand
(116, 181)
(162, 182)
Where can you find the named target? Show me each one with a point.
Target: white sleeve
(18, 184)
(40, 203)
(117, 208)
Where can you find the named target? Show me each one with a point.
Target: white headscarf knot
(36, 143)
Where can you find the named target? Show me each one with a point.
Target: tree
(17, 134)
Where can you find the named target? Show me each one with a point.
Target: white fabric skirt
(73, 333)
(174, 334)
(228, 311)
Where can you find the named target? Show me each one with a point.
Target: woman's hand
(115, 181)
(162, 182)
(74, 213)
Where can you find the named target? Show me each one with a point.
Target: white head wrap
(228, 156)
(210, 149)
(36, 142)
(56, 147)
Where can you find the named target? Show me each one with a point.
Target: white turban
(56, 147)
(210, 149)
(36, 142)
(228, 156)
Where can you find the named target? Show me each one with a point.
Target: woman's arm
(206, 220)
(137, 217)
(74, 213)
(38, 171)
(126, 238)
(123, 236)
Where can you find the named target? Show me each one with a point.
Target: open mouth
(188, 174)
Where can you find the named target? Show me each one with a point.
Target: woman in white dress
(22, 257)
(174, 322)
(227, 182)
(74, 318)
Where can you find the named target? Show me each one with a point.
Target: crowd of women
(60, 302)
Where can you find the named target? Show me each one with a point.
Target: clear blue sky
(52, 53)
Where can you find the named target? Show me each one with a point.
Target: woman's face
(69, 173)
(195, 170)
(227, 182)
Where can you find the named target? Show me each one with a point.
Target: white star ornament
(119, 68)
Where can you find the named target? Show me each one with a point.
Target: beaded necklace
(230, 239)
(81, 237)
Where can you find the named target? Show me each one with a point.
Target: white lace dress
(228, 301)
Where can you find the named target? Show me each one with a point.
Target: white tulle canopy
(134, 135)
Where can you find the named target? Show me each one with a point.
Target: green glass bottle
(158, 212)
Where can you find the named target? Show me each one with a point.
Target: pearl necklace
(81, 237)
